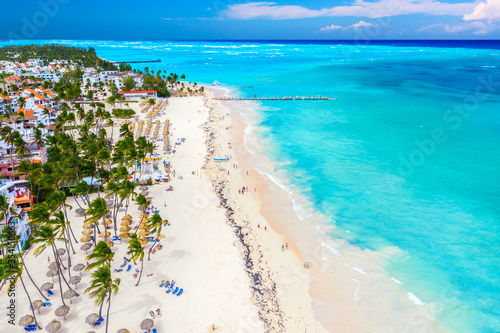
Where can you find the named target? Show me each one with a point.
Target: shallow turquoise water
(408, 156)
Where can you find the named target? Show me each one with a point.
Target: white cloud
(360, 24)
(488, 10)
(476, 27)
(382, 8)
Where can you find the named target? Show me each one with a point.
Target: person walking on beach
(286, 246)
(48, 259)
(282, 248)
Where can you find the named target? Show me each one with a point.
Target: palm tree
(102, 255)
(143, 204)
(12, 269)
(103, 285)
(37, 137)
(21, 149)
(154, 225)
(136, 251)
(97, 210)
(8, 237)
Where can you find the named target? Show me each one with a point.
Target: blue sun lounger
(50, 292)
(175, 291)
(154, 330)
(169, 290)
(180, 292)
(46, 304)
(129, 267)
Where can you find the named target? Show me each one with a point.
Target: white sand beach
(227, 273)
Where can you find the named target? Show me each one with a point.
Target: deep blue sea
(408, 156)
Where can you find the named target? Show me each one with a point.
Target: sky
(236, 19)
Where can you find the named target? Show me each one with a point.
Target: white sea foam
(396, 280)
(415, 299)
(356, 295)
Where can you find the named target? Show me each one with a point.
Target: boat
(216, 83)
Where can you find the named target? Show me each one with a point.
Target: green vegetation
(123, 113)
(49, 52)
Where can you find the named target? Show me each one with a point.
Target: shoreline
(344, 281)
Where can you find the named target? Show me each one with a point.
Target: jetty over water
(135, 61)
(284, 98)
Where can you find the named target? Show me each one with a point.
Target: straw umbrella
(85, 239)
(26, 320)
(62, 311)
(75, 280)
(107, 221)
(124, 235)
(143, 188)
(145, 193)
(143, 182)
(80, 212)
(85, 247)
(143, 241)
(47, 286)
(126, 223)
(92, 319)
(36, 305)
(51, 273)
(124, 228)
(53, 266)
(88, 225)
(103, 233)
(147, 324)
(70, 294)
(79, 268)
(143, 233)
(61, 252)
(87, 232)
(123, 330)
(53, 326)
(127, 216)
(110, 243)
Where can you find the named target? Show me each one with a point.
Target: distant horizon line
(255, 40)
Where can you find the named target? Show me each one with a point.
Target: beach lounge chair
(162, 283)
(169, 290)
(129, 268)
(46, 304)
(123, 264)
(180, 292)
(154, 330)
(50, 292)
(175, 291)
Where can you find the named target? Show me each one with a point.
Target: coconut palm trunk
(29, 300)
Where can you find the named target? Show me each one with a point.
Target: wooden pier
(284, 98)
(135, 61)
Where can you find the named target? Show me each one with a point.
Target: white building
(20, 203)
(138, 95)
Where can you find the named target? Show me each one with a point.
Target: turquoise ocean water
(408, 156)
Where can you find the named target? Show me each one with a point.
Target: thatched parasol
(145, 193)
(79, 268)
(87, 232)
(53, 326)
(61, 252)
(75, 280)
(107, 221)
(85, 239)
(53, 266)
(102, 234)
(62, 311)
(143, 182)
(143, 188)
(85, 247)
(26, 320)
(110, 243)
(147, 324)
(124, 235)
(51, 273)
(80, 212)
(124, 229)
(123, 330)
(143, 241)
(143, 215)
(36, 305)
(69, 294)
(109, 203)
(143, 233)
(92, 319)
(126, 223)
(47, 286)
(127, 216)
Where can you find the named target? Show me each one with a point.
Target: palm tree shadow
(178, 254)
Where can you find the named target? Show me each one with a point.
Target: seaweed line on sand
(263, 288)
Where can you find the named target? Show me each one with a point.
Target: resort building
(138, 95)
(20, 202)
